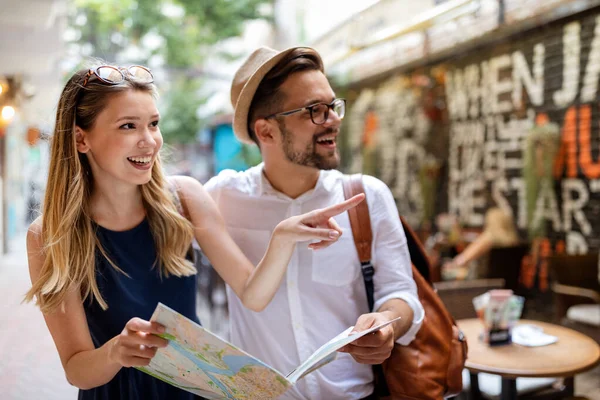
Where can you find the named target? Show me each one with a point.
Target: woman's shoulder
(186, 191)
(183, 183)
(34, 233)
(191, 195)
(35, 247)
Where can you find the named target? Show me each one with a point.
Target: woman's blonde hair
(501, 227)
(69, 239)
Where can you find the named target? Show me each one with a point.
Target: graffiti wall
(515, 124)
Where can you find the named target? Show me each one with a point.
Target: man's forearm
(395, 308)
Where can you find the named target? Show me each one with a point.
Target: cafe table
(573, 353)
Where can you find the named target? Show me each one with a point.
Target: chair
(457, 296)
(505, 263)
(577, 292)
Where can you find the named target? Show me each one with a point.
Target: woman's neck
(118, 208)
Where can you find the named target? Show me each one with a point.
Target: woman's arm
(473, 251)
(255, 286)
(85, 366)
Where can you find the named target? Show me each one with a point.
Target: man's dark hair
(268, 95)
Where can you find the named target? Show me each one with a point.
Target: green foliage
(539, 153)
(178, 32)
(250, 155)
(180, 122)
(186, 26)
(429, 175)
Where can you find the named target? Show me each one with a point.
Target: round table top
(574, 352)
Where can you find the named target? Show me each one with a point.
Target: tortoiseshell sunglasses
(113, 75)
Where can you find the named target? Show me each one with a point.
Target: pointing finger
(336, 209)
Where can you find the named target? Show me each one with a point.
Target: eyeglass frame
(94, 71)
(310, 110)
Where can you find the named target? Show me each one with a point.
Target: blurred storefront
(30, 76)
(475, 104)
(228, 152)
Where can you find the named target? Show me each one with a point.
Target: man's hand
(373, 348)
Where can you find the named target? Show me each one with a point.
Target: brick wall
(514, 124)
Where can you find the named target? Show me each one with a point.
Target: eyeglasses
(113, 75)
(319, 112)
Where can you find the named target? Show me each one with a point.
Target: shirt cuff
(418, 314)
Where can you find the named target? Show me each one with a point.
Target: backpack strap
(360, 221)
(363, 236)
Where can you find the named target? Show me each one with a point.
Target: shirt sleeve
(214, 186)
(393, 272)
(223, 181)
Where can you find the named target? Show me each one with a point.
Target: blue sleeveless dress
(135, 296)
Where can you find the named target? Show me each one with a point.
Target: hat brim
(242, 107)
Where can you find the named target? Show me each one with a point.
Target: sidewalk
(30, 367)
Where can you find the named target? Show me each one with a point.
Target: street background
(459, 106)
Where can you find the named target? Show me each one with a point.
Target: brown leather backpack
(430, 367)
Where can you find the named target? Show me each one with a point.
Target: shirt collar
(325, 184)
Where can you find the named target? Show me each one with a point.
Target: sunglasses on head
(113, 76)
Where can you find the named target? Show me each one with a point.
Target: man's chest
(265, 212)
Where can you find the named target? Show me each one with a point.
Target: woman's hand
(137, 344)
(316, 225)
(453, 270)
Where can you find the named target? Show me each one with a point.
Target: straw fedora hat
(245, 82)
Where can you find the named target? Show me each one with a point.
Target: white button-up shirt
(323, 292)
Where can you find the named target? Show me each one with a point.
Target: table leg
(509, 389)
(569, 386)
(474, 393)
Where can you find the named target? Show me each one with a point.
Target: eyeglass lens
(140, 74)
(320, 112)
(109, 74)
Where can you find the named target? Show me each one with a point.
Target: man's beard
(309, 157)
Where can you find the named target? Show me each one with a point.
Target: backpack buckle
(367, 269)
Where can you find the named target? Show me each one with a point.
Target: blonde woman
(499, 231)
(111, 243)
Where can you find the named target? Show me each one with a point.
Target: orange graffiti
(545, 253)
(567, 153)
(590, 168)
(370, 129)
(560, 247)
(542, 119)
(536, 263)
(527, 276)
